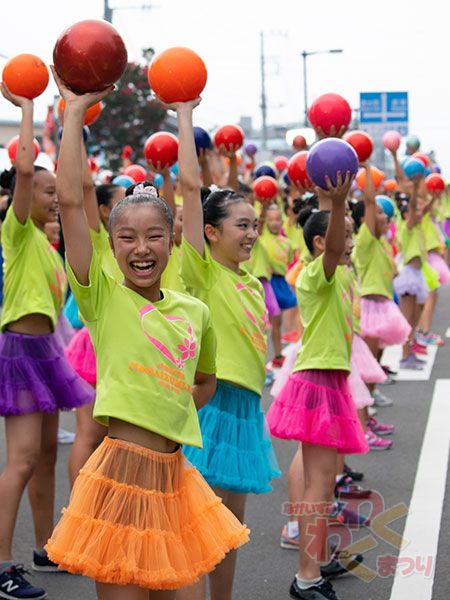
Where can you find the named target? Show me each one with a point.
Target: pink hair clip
(145, 189)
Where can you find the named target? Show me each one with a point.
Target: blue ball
(85, 133)
(265, 170)
(286, 179)
(174, 170)
(413, 168)
(123, 180)
(386, 204)
(202, 139)
(427, 171)
(158, 180)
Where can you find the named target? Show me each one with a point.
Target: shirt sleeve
(92, 298)
(196, 271)
(14, 232)
(207, 358)
(313, 280)
(365, 239)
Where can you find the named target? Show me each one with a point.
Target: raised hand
(19, 101)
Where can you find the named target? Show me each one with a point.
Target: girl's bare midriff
(34, 324)
(137, 435)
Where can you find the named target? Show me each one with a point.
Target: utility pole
(263, 95)
(107, 11)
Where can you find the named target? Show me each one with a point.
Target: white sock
(292, 529)
(304, 584)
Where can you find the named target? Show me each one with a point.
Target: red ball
(92, 113)
(90, 56)
(229, 136)
(177, 75)
(136, 172)
(361, 143)
(13, 144)
(299, 142)
(126, 152)
(328, 110)
(25, 75)
(424, 159)
(161, 147)
(435, 183)
(265, 188)
(297, 170)
(281, 162)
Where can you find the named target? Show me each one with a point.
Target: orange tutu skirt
(145, 518)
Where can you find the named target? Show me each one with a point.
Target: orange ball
(177, 75)
(25, 75)
(390, 185)
(377, 177)
(92, 113)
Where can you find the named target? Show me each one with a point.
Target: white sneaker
(372, 411)
(65, 437)
(380, 399)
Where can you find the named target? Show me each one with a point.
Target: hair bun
(7, 178)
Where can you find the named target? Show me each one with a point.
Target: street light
(305, 54)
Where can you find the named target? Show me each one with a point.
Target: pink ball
(391, 140)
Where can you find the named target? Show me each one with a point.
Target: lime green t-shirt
(100, 242)
(294, 234)
(147, 354)
(326, 313)
(34, 276)
(413, 243)
(279, 250)
(432, 237)
(259, 264)
(356, 306)
(238, 314)
(171, 278)
(374, 264)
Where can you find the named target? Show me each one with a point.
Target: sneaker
(380, 428)
(289, 543)
(355, 475)
(341, 564)
(380, 399)
(412, 363)
(387, 369)
(65, 437)
(352, 492)
(322, 591)
(43, 563)
(388, 381)
(429, 339)
(14, 586)
(342, 516)
(291, 337)
(372, 411)
(376, 442)
(416, 348)
(278, 361)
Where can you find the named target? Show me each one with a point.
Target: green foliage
(129, 116)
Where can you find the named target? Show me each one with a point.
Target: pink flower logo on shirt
(187, 349)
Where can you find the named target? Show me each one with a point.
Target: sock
(305, 584)
(292, 529)
(41, 552)
(5, 564)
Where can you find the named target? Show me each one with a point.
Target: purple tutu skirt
(367, 365)
(36, 377)
(316, 407)
(64, 331)
(383, 320)
(438, 263)
(411, 282)
(270, 299)
(81, 356)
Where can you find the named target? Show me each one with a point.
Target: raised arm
(189, 177)
(69, 181)
(23, 190)
(168, 193)
(414, 215)
(335, 236)
(203, 161)
(370, 205)
(233, 182)
(89, 195)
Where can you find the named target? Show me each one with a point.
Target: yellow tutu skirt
(145, 518)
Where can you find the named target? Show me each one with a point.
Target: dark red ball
(90, 56)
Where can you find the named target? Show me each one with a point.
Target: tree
(129, 116)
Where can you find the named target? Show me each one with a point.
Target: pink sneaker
(416, 348)
(380, 428)
(376, 442)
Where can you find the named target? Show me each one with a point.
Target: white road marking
(447, 333)
(425, 510)
(392, 356)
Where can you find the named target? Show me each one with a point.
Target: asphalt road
(265, 571)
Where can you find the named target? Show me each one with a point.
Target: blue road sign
(384, 110)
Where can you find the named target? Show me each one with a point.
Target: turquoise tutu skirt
(237, 452)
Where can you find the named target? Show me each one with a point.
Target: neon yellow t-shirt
(356, 306)
(100, 242)
(432, 237)
(238, 314)
(259, 263)
(171, 278)
(326, 313)
(413, 243)
(294, 234)
(279, 250)
(374, 264)
(147, 354)
(34, 276)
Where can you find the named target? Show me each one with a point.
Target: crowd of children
(173, 299)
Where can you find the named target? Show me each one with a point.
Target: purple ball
(436, 169)
(329, 156)
(251, 149)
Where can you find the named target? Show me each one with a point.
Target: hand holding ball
(265, 188)
(376, 174)
(392, 140)
(92, 113)
(177, 75)
(329, 156)
(161, 147)
(231, 137)
(435, 183)
(330, 113)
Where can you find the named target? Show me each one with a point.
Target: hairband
(145, 189)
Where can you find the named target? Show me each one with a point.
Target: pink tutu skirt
(365, 362)
(439, 265)
(383, 320)
(81, 356)
(316, 407)
(290, 356)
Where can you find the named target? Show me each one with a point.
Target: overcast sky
(388, 45)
